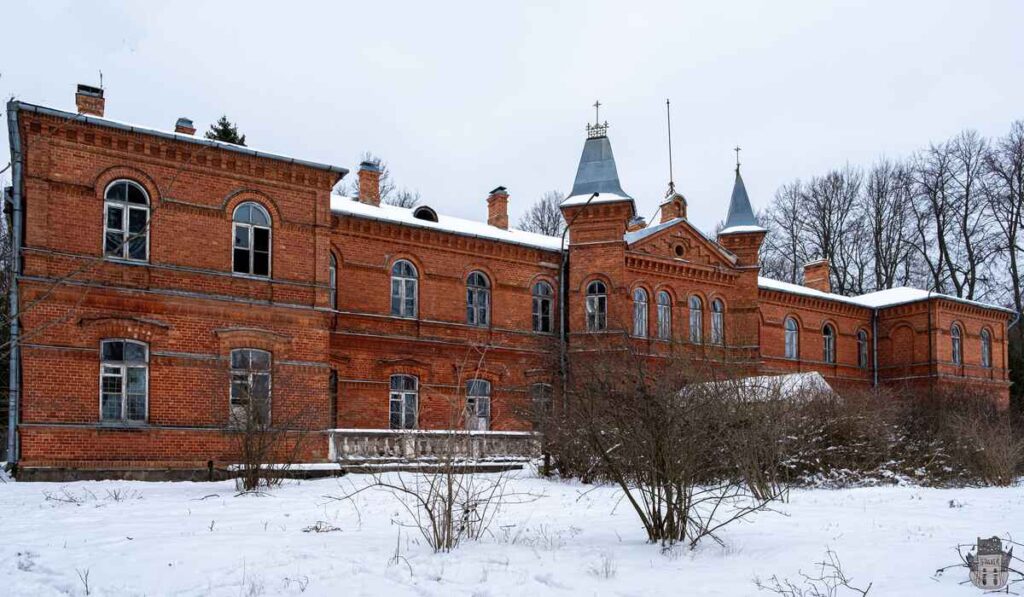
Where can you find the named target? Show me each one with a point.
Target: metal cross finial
(737, 150)
(597, 112)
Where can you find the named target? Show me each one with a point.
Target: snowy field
(199, 539)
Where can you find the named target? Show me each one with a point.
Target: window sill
(251, 277)
(125, 260)
(123, 425)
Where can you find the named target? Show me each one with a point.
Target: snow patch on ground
(138, 538)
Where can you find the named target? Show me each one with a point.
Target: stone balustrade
(391, 445)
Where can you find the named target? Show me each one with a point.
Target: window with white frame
(862, 349)
(332, 282)
(792, 338)
(717, 322)
(696, 320)
(251, 241)
(126, 221)
(124, 381)
(597, 306)
(404, 282)
(956, 336)
(664, 300)
(403, 404)
(250, 387)
(478, 299)
(640, 313)
(543, 299)
(478, 405)
(828, 346)
(986, 349)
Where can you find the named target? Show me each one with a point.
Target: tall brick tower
(742, 235)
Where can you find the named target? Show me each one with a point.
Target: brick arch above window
(492, 373)
(130, 328)
(413, 259)
(608, 286)
(245, 337)
(543, 277)
(385, 368)
(135, 175)
(240, 196)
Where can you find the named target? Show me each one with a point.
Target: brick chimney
(497, 208)
(184, 126)
(89, 100)
(369, 183)
(674, 207)
(816, 275)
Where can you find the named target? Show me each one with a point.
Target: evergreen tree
(225, 130)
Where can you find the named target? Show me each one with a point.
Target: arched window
(640, 313)
(124, 381)
(250, 387)
(696, 320)
(828, 346)
(404, 281)
(664, 315)
(403, 404)
(478, 405)
(542, 301)
(862, 349)
(958, 349)
(792, 338)
(597, 306)
(332, 282)
(717, 322)
(478, 299)
(251, 240)
(126, 221)
(986, 349)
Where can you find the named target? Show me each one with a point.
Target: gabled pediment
(679, 239)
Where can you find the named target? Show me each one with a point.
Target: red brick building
(165, 281)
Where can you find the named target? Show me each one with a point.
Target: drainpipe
(14, 373)
(874, 347)
(563, 311)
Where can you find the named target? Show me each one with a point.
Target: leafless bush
(604, 567)
(684, 447)
(321, 526)
(829, 581)
(446, 500)
(66, 496)
(83, 576)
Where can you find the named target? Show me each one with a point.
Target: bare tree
(830, 219)
(1005, 194)
(350, 188)
(784, 253)
(544, 216)
(404, 198)
(886, 206)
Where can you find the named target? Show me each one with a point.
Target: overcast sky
(462, 97)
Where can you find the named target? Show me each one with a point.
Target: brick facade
(189, 308)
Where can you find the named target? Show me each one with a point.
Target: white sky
(462, 97)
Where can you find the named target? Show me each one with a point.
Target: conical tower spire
(597, 172)
(740, 212)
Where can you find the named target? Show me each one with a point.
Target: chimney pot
(497, 208)
(816, 275)
(90, 100)
(184, 126)
(369, 183)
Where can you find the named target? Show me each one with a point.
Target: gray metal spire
(597, 172)
(740, 212)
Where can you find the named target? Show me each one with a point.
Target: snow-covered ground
(199, 539)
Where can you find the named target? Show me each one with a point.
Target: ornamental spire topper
(597, 129)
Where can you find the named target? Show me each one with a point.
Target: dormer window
(425, 213)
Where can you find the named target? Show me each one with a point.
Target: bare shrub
(681, 444)
(605, 567)
(829, 581)
(446, 500)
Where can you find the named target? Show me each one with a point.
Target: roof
(16, 105)
(741, 215)
(404, 216)
(596, 174)
(873, 300)
(638, 235)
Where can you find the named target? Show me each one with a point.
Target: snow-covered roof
(404, 216)
(873, 300)
(134, 128)
(736, 229)
(599, 198)
(639, 235)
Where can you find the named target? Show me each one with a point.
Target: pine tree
(225, 130)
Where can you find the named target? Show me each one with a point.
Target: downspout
(563, 311)
(874, 347)
(14, 372)
(933, 359)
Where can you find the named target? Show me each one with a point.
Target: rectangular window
(124, 373)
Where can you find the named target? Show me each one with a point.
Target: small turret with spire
(742, 234)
